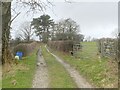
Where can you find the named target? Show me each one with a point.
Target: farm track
(41, 76)
(79, 80)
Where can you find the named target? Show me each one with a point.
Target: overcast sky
(96, 19)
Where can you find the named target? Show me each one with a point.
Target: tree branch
(15, 17)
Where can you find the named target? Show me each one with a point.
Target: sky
(96, 19)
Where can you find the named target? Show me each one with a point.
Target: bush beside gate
(65, 46)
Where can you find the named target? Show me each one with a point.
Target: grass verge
(59, 77)
(21, 75)
(0, 76)
(100, 72)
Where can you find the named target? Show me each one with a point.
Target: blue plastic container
(20, 54)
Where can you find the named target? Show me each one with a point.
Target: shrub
(25, 48)
(65, 46)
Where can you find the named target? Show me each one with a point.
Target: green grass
(95, 70)
(0, 77)
(22, 74)
(59, 77)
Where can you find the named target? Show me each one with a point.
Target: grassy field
(101, 72)
(59, 77)
(21, 75)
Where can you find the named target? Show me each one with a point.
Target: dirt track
(41, 77)
(79, 80)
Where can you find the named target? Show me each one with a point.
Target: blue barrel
(20, 54)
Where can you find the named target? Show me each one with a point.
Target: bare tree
(26, 31)
(115, 33)
(88, 38)
(6, 18)
(6, 22)
(32, 5)
(66, 29)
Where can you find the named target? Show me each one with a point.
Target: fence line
(108, 47)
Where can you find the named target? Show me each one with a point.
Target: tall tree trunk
(6, 17)
(0, 32)
(40, 38)
(28, 38)
(118, 54)
(118, 47)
